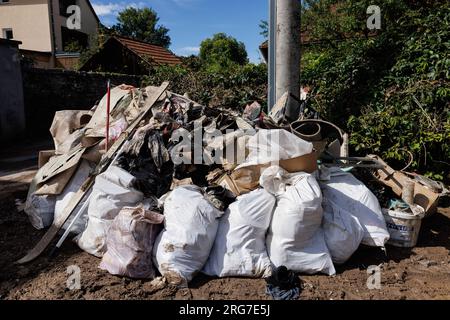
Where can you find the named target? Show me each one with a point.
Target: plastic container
(403, 227)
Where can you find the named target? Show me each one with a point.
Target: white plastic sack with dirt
(130, 242)
(240, 248)
(40, 209)
(347, 192)
(295, 238)
(72, 187)
(190, 226)
(343, 232)
(112, 191)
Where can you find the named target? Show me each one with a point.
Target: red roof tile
(158, 54)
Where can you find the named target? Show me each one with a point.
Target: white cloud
(186, 51)
(112, 9)
(106, 9)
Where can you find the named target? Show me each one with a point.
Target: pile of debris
(149, 178)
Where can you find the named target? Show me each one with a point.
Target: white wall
(30, 22)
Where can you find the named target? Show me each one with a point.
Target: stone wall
(50, 90)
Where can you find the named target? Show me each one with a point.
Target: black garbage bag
(148, 160)
(283, 284)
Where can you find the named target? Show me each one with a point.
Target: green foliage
(141, 24)
(391, 90)
(95, 44)
(264, 26)
(222, 52)
(73, 46)
(233, 88)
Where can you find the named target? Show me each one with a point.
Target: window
(4, 1)
(8, 33)
(73, 41)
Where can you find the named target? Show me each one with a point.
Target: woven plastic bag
(130, 242)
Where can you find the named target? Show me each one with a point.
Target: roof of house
(305, 39)
(158, 54)
(92, 9)
(9, 42)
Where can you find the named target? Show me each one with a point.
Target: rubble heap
(180, 188)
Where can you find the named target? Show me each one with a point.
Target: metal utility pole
(272, 53)
(287, 52)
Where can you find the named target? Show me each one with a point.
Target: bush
(232, 88)
(391, 92)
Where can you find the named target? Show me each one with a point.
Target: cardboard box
(396, 180)
(246, 179)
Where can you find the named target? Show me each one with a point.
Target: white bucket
(403, 228)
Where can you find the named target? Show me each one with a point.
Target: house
(47, 35)
(12, 112)
(129, 56)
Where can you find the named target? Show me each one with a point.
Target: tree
(141, 24)
(96, 42)
(264, 26)
(389, 88)
(221, 52)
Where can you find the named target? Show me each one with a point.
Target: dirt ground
(420, 273)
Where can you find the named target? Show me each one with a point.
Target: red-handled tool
(108, 98)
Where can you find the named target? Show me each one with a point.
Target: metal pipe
(272, 54)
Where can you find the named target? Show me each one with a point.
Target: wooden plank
(396, 180)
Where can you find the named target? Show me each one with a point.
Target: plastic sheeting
(268, 146)
(240, 248)
(190, 227)
(72, 187)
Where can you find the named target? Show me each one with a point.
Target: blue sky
(191, 21)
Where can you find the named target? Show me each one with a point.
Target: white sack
(190, 227)
(310, 258)
(347, 192)
(130, 242)
(268, 146)
(111, 192)
(343, 232)
(40, 209)
(71, 188)
(295, 238)
(240, 248)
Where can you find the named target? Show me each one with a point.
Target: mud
(419, 273)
